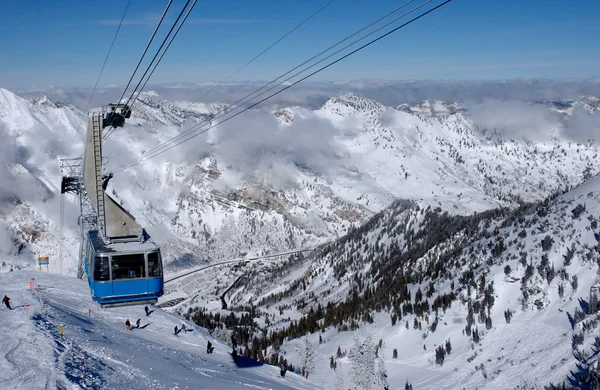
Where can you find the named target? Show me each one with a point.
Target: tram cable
(161, 46)
(167, 37)
(163, 54)
(149, 154)
(247, 99)
(108, 131)
(257, 56)
(145, 157)
(260, 54)
(146, 49)
(101, 71)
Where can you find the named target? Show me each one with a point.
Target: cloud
(258, 148)
(6, 241)
(515, 119)
(313, 94)
(582, 126)
(16, 181)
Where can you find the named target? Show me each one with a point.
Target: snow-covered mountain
(293, 178)
(270, 181)
(510, 296)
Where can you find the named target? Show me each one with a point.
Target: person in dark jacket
(177, 330)
(209, 347)
(6, 301)
(128, 324)
(137, 323)
(147, 311)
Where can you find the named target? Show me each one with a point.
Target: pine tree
(440, 354)
(448, 347)
(470, 317)
(593, 302)
(418, 295)
(339, 352)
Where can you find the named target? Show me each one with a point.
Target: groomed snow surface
(97, 352)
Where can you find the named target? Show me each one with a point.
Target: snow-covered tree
(307, 355)
(362, 357)
(339, 377)
(381, 377)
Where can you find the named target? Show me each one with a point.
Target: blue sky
(64, 43)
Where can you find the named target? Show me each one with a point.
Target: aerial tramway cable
(111, 128)
(163, 54)
(155, 152)
(101, 70)
(183, 10)
(161, 46)
(261, 53)
(146, 49)
(247, 98)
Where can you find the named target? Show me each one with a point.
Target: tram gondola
(123, 272)
(122, 264)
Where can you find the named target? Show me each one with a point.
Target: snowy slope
(97, 352)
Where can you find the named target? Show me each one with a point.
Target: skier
(283, 370)
(183, 327)
(61, 329)
(137, 323)
(6, 301)
(128, 324)
(209, 347)
(147, 311)
(176, 330)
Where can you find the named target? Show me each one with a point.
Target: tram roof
(100, 246)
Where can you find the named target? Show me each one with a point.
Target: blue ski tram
(123, 273)
(122, 264)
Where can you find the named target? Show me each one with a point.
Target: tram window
(101, 271)
(128, 266)
(154, 264)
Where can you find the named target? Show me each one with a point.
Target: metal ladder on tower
(97, 139)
